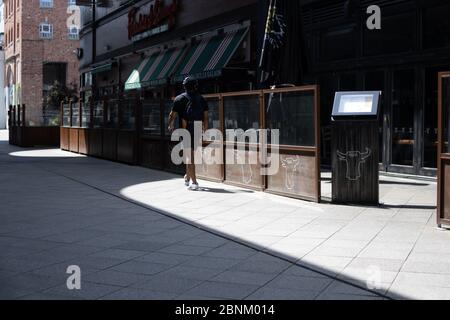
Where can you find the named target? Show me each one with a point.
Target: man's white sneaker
(186, 183)
(194, 187)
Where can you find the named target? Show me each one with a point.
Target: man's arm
(172, 117)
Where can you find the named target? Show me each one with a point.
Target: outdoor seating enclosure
(443, 201)
(134, 130)
(23, 135)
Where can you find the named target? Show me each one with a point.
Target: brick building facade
(40, 48)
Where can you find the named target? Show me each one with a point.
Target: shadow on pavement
(86, 215)
(405, 206)
(219, 190)
(404, 183)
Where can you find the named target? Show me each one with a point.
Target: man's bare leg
(187, 176)
(191, 167)
(187, 157)
(192, 173)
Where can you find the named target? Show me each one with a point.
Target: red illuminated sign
(157, 15)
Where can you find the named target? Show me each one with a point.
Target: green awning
(156, 69)
(135, 79)
(207, 58)
(101, 68)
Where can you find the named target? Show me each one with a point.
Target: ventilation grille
(333, 12)
(383, 3)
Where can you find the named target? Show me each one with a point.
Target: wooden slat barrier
(24, 135)
(295, 111)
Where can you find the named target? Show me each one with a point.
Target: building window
(46, 30)
(72, 3)
(73, 33)
(46, 3)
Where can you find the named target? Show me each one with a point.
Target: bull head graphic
(204, 164)
(354, 159)
(290, 166)
(246, 168)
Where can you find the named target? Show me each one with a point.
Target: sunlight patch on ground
(46, 153)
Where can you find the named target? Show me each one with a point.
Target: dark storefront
(214, 41)
(134, 58)
(133, 68)
(402, 60)
(220, 42)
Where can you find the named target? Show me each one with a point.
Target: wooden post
(441, 126)
(91, 111)
(80, 113)
(317, 117)
(19, 120)
(70, 113)
(222, 129)
(262, 137)
(105, 111)
(23, 115)
(61, 114)
(13, 116)
(9, 116)
(120, 104)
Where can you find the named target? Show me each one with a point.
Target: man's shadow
(224, 191)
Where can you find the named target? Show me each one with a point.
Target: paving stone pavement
(139, 234)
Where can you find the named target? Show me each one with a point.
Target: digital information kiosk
(355, 148)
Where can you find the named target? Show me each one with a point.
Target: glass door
(375, 81)
(401, 122)
(430, 120)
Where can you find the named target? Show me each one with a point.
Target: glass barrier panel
(446, 112)
(66, 115)
(75, 115)
(128, 114)
(85, 114)
(213, 113)
(292, 113)
(112, 114)
(151, 117)
(51, 118)
(98, 114)
(242, 112)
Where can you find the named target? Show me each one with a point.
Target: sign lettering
(157, 15)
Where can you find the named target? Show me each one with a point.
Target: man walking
(191, 107)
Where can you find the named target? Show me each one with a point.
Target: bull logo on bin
(354, 159)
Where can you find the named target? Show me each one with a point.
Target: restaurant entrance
(408, 117)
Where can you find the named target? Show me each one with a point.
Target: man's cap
(188, 80)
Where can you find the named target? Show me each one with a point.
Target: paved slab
(138, 233)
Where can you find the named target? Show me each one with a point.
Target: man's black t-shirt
(190, 106)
